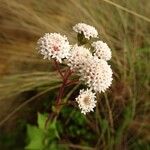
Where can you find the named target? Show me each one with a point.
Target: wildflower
(54, 45)
(78, 57)
(101, 50)
(92, 68)
(96, 74)
(87, 30)
(86, 101)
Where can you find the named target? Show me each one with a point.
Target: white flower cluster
(78, 57)
(96, 74)
(86, 101)
(54, 45)
(87, 30)
(92, 68)
(101, 50)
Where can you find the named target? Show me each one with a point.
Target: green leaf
(41, 120)
(53, 129)
(36, 138)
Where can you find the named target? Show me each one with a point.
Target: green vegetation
(29, 85)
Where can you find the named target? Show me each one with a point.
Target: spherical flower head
(97, 74)
(87, 30)
(86, 101)
(78, 57)
(102, 50)
(54, 45)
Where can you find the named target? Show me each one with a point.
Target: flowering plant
(90, 64)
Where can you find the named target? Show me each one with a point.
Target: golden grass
(124, 25)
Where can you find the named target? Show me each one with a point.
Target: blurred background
(29, 84)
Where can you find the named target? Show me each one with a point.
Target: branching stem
(61, 90)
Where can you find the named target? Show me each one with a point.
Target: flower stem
(59, 97)
(57, 66)
(61, 90)
(72, 82)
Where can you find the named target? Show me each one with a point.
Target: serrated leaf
(36, 138)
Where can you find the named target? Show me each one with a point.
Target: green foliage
(43, 137)
(77, 126)
(36, 137)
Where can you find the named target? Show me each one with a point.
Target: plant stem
(72, 82)
(59, 97)
(61, 91)
(57, 66)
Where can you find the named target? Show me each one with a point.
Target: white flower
(87, 30)
(86, 101)
(54, 45)
(101, 50)
(97, 74)
(78, 57)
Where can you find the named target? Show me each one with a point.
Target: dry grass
(21, 69)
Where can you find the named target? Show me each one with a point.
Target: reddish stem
(61, 91)
(72, 82)
(57, 66)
